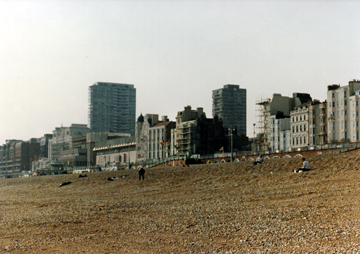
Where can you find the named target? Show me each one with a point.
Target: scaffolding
(262, 128)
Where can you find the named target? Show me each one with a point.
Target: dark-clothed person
(141, 173)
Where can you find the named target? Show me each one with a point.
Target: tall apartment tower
(112, 107)
(229, 104)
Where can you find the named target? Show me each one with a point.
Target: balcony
(184, 142)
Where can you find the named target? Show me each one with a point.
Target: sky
(174, 53)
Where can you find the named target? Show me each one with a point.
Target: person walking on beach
(141, 173)
(306, 166)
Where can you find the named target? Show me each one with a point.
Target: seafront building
(229, 104)
(318, 123)
(115, 152)
(153, 137)
(196, 134)
(62, 139)
(112, 107)
(267, 109)
(343, 112)
(280, 134)
(16, 156)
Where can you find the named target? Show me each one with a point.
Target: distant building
(44, 145)
(196, 134)
(153, 137)
(76, 155)
(112, 107)
(318, 123)
(62, 139)
(271, 107)
(102, 139)
(308, 124)
(343, 112)
(229, 104)
(115, 152)
(16, 156)
(300, 125)
(280, 134)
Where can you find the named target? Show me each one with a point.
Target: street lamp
(129, 159)
(231, 145)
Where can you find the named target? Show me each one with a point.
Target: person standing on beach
(141, 173)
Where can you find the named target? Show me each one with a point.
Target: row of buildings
(286, 123)
(114, 137)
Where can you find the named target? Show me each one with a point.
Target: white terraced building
(343, 112)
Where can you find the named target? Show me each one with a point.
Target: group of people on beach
(305, 167)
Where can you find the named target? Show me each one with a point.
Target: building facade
(273, 106)
(16, 156)
(317, 123)
(280, 133)
(229, 104)
(153, 137)
(112, 107)
(115, 152)
(62, 139)
(196, 134)
(308, 125)
(343, 114)
(300, 126)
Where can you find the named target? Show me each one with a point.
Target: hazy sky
(174, 52)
